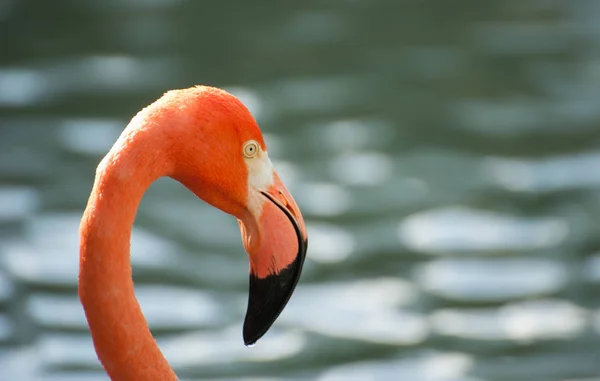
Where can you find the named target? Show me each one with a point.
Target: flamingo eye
(251, 149)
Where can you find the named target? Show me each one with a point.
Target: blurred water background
(445, 154)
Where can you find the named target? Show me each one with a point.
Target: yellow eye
(251, 149)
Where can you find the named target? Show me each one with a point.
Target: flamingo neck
(122, 339)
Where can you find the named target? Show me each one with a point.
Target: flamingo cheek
(277, 245)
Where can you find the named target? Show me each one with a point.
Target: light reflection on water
(362, 169)
(204, 350)
(491, 279)
(324, 199)
(101, 74)
(40, 258)
(90, 136)
(523, 322)
(461, 230)
(367, 310)
(549, 174)
(17, 203)
(166, 308)
(427, 366)
(445, 157)
(329, 243)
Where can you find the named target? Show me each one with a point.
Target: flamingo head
(223, 159)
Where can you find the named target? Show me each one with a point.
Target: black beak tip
(268, 297)
(249, 340)
(251, 336)
(255, 326)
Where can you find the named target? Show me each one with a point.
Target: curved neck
(119, 330)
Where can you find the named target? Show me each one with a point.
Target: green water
(445, 155)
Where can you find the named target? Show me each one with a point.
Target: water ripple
(349, 135)
(70, 376)
(195, 221)
(313, 27)
(546, 175)
(223, 347)
(7, 288)
(460, 229)
(165, 308)
(323, 199)
(484, 280)
(21, 364)
(22, 87)
(90, 136)
(365, 310)
(522, 322)
(41, 259)
(592, 269)
(313, 95)
(514, 38)
(366, 168)
(429, 366)
(137, 5)
(329, 243)
(61, 350)
(6, 328)
(17, 203)
(86, 75)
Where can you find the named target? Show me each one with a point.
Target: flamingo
(206, 139)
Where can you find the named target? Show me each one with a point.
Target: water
(445, 156)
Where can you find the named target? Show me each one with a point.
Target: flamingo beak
(276, 242)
